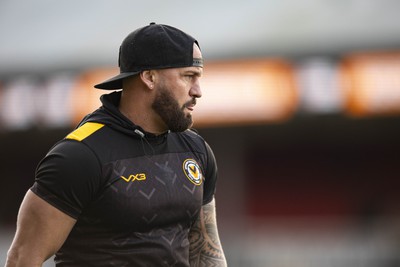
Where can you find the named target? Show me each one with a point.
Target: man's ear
(147, 77)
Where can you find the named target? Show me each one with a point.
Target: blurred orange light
(246, 92)
(85, 97)
(371, 83)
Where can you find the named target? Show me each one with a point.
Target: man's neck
(144, 119)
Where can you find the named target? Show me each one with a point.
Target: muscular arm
(205, 246)
(41, 231)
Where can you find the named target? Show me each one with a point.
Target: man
(132, 185)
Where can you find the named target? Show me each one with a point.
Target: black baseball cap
(154, 46)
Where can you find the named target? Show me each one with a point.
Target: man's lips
(190, 105)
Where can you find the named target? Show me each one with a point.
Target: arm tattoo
(205, 246)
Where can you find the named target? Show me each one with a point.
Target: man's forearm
(17, 258)
(205, 245)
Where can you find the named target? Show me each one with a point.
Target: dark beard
(170, 112)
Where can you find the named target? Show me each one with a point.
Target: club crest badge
(192, 171)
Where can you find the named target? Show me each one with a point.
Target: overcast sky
(46, 34)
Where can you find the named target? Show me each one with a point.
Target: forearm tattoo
(205, 246)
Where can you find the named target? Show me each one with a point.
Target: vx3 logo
(134, 177)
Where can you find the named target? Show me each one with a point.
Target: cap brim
(115, 82)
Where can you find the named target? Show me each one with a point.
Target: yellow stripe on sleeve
(84, 131)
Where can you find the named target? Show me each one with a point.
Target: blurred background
(301, 104)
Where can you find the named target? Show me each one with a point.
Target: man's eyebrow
(194, 72)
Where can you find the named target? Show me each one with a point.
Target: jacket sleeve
(211, 174)
(68, 177)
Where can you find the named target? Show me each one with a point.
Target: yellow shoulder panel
(84, 131)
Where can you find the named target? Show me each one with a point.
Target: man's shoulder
(96, 134)
(193, 135)
(84, 131)
(96, 137)
(192, 132)
(192, 138)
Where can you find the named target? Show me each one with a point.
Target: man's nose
(195, 91)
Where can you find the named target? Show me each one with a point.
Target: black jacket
(134, 195)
